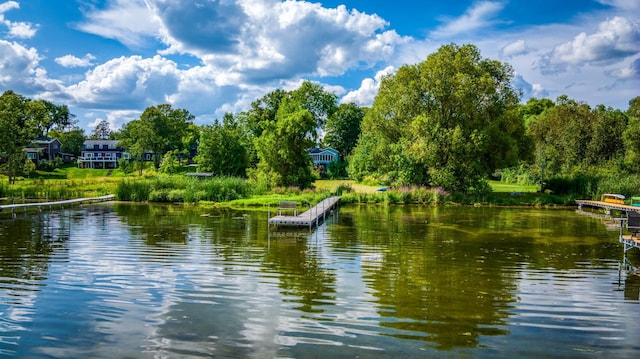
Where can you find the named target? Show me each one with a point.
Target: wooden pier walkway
(606, 205)
(629, 241)
(51, 205)
(310, 218)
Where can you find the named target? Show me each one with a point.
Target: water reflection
(135, 280)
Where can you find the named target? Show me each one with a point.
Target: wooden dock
(310, 218)
(51, 205)
(606, 205)
(629, 241)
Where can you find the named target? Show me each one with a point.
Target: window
(55, 146)
(31, 156)
(89, 155)
(105, 147)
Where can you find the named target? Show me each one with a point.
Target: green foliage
(448, 121)
(159, 130)
(125, 166)
(223, 148)
(18, 129)
(183, 189)
(343, 128)
(71, 140)
(29, 167)
(102, 131)
(571, 137)
(50, 166)
(170, 163)
(631, 140)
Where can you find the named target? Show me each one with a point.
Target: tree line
(451, 121)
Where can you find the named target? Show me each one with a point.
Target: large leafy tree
(571, 137)
(160, 129)
(343, 128)
(18, 129)
(47, 116)
(283, 126)
(71, 140)
(102, 131)
(448, 121)
(222, 148)
(631, 136)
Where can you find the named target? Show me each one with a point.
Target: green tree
(607, 129)
(631, 137)
(448, 121)
(170, 163)
(47, 116)
(159, 130)
(283, 126)
(222, 148)
(102, 131)
(72, 140)
(17, 132)
(136, 139)
(282, 148)
(343, 128)
(29, 167)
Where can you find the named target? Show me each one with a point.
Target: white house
(101, 154)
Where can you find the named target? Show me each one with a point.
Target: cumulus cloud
(527, 89)
(22, 30)
(130, 22)
(630, 72)
(515, 48)
(21, 70)
(127, 82)
(478, 16)
(72, 61)
(255, 41)
(622, 4)
(368, 90)
(615, 40)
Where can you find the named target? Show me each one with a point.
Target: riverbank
(69, 183)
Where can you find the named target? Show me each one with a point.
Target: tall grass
(55, 189)
(183, 189)
(593, 186)
(401, 195)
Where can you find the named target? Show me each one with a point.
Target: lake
(121, 280)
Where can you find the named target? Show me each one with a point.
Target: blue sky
(111, 59)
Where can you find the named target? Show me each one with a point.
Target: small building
(101, 154)
(44, 149)
(322, 157)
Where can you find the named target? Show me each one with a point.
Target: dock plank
(308, 218)
(57, 203)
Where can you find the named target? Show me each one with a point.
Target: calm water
(141, 281)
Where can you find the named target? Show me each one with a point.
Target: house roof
(324, 150)
(100, 142)
(45, 141)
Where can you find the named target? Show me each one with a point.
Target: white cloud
(130, 22)
(116, 119)
(629, 72)
(22, 30)
(72, 61)
(128, 83)
(515, 48)
(615, 40)
(19, 66)
(622, 4)
(254, 41)
(368, 90)
(478, 16)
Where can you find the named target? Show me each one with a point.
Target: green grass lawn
(498, 186)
